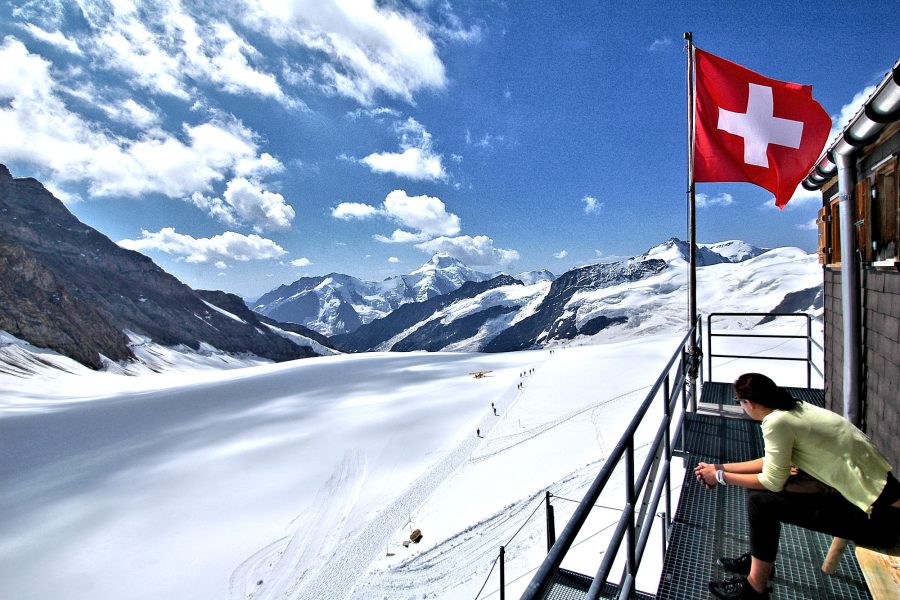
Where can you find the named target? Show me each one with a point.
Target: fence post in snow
(551, 524)
(502, 575)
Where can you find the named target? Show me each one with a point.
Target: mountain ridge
(67, 287)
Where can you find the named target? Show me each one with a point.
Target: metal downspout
(849, 286)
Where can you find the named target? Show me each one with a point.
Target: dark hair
(759, 389)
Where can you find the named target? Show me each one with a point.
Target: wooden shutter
(822, 224)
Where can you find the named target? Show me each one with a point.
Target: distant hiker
(495, 412)
(492, 406)
(478, 432)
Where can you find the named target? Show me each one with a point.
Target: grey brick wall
(881, 358)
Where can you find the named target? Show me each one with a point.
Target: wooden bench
(881, 569)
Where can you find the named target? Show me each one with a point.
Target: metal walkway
(568, 585)
(710, 524)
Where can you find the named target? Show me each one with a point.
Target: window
(822, 225)
(863, 233)
(834, 231)
(885, 211)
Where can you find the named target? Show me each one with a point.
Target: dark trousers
(809, 503)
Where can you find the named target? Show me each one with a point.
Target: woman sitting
(819, 472)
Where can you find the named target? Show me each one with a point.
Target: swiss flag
(755, 129)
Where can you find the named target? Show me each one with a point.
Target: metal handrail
(810, 342)
(633, 526)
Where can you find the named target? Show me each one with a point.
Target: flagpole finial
(689, 36)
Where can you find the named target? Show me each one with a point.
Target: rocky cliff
(67, 287)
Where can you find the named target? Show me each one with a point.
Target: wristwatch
(720, 476)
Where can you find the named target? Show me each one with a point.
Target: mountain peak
(442, 260)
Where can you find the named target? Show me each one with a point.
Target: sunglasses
(739, 400)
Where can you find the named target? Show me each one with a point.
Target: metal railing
(644, 490)
(810, 342)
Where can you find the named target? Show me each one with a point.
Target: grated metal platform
(722, 394)
(569, 585)
(710, 524)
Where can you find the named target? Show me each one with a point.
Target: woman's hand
(706, 475)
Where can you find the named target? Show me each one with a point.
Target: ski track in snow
(291, 568)
(474, 550)
(504, 443)
(315, 535)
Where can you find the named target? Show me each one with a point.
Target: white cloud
(266, 210)
(561, 254)
(54, 38)
(40, 129)
(367, 47)
(227, 246)
(301, 262)
(706, 201)
(848, 111)
(401, 237)
(138, 115)
(413, 163)
(353, 210)
(417, 159)
(373, 113)
(802, 197)
(221, 265)
(660, 43)
(592, 206)
(166, 49)
(424, 213)
(258, 166)
(393, 260)
(474, 251)
(116, 107)
(811, 225)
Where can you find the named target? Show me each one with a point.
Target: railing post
(629, 504)
(700, 337)
(668, 438)
(709, 348)
(502, 574)
(808, 351)
(665, 536)
(551, 524)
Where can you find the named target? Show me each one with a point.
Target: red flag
(754, 129)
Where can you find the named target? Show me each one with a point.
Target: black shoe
(736, 589)
(739, 565)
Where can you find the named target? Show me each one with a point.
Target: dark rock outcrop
(798, 302)
(551, 319)
(435, 335)
(67, 287)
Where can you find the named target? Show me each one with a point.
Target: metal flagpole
(692, 222)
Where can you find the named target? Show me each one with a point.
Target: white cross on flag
(755, 129)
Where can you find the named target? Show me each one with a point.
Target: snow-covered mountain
(532, 277)
(734, 250)
(636, 296)
(334, 304)
(67, 287)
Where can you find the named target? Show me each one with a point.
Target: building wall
(880, 392)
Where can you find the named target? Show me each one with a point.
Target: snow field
(307, 476)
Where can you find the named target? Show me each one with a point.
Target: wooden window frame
(878, 196)
(833, 229)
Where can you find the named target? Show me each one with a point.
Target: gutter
(881, 108)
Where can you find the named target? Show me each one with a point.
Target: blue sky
(242, 145)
